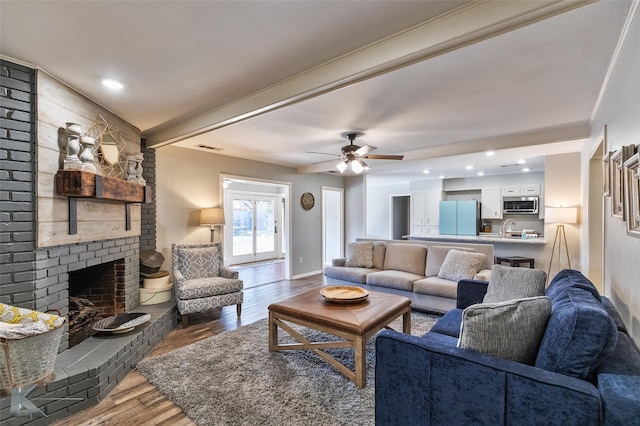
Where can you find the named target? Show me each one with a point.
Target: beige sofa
(419, 270)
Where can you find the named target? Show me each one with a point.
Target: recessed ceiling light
(521, 161)
(480, 173)
(469, 167)
(490, 153)
(426, 171)
(112, 84)
(442, 176)
(526, 169)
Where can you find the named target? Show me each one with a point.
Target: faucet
(504, 225)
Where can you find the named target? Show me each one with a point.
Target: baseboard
(307, 274)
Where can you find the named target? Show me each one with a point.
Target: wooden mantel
(81, 184)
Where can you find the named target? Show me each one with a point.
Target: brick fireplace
(103, 285)
(42, 278)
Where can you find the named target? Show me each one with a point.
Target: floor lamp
(212, 217)
(560, 216)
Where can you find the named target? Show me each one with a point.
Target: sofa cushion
(568, 278)
(406, 257)
(356, 275)
(206, 287)
(435, 286)
(514, 283)
(360, 254)
(619, 382)
(580, 334)
(449, 323)
(436, 256)
(393, 279)
(510, 330)
(459, 265)
(379, 250)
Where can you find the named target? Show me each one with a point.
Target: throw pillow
(511, 330)
(514, 283)
(436, 256)
(460, 265)
(360, 255)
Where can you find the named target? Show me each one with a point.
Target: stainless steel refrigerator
(459, 217)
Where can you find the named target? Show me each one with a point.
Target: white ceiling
(525, 92)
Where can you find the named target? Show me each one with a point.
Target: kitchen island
(483, 239)
(502, 247)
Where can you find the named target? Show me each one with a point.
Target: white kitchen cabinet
(433, 209)
(491, 203)
(530, 190)
(510, 191)
(541, 203)
(418, 209)
(425, 208)
(418, 231)
(432, 230)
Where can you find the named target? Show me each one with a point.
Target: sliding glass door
(254, 228)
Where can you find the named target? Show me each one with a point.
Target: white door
(332, 224)
(254, 225)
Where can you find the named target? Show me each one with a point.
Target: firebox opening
(95, 292)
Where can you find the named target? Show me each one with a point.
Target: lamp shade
(212, 216)
(561, 214)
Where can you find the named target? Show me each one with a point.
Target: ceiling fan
(352, 155)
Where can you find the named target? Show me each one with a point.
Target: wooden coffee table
(354, 323)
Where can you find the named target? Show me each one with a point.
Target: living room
(188, 180)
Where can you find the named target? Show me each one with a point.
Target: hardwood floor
(135, 401)
(261, 273)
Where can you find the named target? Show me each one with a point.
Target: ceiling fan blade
(384, 157)
(323, 153)
(323, 166)
(364, 150)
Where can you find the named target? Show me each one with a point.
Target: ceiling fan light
(357, 167)
(341, 166)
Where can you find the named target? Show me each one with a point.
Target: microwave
(520, 205)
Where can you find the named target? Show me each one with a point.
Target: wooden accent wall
(57, 104)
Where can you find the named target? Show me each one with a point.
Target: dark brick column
(148, 219)
(17, 184)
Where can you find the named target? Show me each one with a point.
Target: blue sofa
(428, 380)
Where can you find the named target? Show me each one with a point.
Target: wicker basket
(30, 359)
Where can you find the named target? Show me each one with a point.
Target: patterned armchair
(202, 282)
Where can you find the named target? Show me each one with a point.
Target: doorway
(399, 215)
(595, 212)
(257, 217)
(332, 224)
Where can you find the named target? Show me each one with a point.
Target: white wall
(563, 188)
(619, 110)
(188, 180)
(378, 208)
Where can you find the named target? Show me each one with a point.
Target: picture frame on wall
(618, 193)
(617, 184)
(632, 202)
(606, 175)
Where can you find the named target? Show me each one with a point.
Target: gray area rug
(233, 379)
